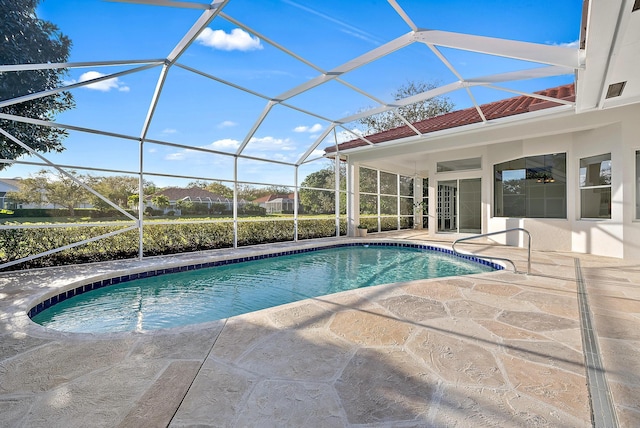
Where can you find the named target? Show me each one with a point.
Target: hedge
(63, 212)
(158, 239)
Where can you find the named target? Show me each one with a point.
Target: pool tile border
(61, 297)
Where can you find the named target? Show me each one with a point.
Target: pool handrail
(484, 235)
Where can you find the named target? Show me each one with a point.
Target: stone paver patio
(495, 349)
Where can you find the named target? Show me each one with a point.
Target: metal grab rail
(453, 247)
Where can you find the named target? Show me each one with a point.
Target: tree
(160, 201)
(26, 39)
(58, 189)
(320, 201)
(214, 187)
(32, 190)
(117, 189)
(133, 201)
(185, 206)
(67, 192)
(412, 113)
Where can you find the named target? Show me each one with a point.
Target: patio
(492, 349)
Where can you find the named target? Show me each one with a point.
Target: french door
(460, 206)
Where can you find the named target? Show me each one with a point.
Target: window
(386, 200)
(459, 165)
(595, 187)
(533, 187)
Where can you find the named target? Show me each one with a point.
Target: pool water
(210, 294)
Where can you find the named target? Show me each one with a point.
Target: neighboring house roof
(454, 119)
(272, 197)
(191, 193)
(9, 184)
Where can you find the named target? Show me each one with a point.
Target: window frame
(583, 186)
(539, 180)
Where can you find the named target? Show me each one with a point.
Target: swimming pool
(208, 294)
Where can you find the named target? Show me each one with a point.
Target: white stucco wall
(615, 131)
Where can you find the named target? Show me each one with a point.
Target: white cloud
(278, 148)
(178, 156)
(270, 143)
(219, 145)
(317, 153)
(226, 124)
(103, 86)
(237, 39)
(226, 143)
(169, 131)
(315, 128)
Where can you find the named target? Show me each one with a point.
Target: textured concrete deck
(496, 349)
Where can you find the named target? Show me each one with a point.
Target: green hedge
(158, 239)
(63, 212)
(324, 228)
(386, 223)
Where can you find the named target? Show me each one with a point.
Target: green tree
(26, 39)
(160, 201)
(220, 189)
(32, 190)
(133, 201)
(368, 184)
(248, 192)
(58, 189)
(322, 201)
(186, 206)
(200, 184)
(67, 192)
(413, 113)
(214, 187)
(117, 189)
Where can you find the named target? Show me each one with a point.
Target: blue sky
(200, 112)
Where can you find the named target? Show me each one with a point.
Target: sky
(196, 111)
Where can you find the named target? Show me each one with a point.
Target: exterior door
(448, 206)
(460, 206)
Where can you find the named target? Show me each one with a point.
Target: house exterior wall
(609, 132)
(582, 135)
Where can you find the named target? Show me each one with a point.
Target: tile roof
(454, 119)
(12, 182)
(272, 197)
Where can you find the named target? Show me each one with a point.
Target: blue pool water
(210, 294)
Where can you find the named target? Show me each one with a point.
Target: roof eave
(523, 118)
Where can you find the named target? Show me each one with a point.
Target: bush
(264, 231)
(252, 210)
(324, 228)
(63, 212)
(41, 212)
(158, 239)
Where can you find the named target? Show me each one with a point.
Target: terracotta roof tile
(273, 196)
(494, 110)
